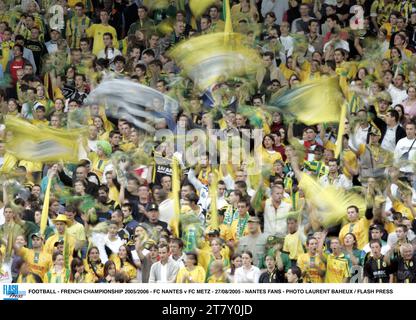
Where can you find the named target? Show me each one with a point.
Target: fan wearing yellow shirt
(25, 276)
(217, 253)
(101, 158)
(124, 262)
(268, 154)
(58, 273)
(61, 222)
(239, 227)
(293, 240)
(74, 228)
(191, 272)
(358, 226)
(312, 266)
(93, 266)
(6, 47)
(38, 261)
(97, 30)
(217, 273)
(337, 265)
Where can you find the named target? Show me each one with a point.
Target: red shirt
(14, 66)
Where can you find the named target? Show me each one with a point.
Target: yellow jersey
(38, 262)
(360, 229)
(129, 269)
(30, 278)
(197, 275)
(93, 274)
(96, 31)
(293, 245)
(206, 258)
(337, 269)
(222, 279)
(312, 267)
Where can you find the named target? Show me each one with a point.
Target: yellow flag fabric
(208, 59)
(176, 186)
(228, 23)
(45, 208)
(315, 101)
(331, 203)
(198, 7)
(40, 143)
(341, 130)
(213, 193)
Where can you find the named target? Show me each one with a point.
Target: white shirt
(275, 219)
(163, 273)
(92, 144)
(389, 140)
(166, 210)
(180, 261)
(359, 137)
(403, 146)
(277, 6)
(243, 275)
(114, 245)
(2, 219)
(340, 181)
(397, 95)
(287, 43)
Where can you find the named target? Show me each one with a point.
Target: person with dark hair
(94, 268)
(376, 269)
(239, 227)
(38, 261)
(76, 26)
(247, 273)
(109, 273)
(294, 275)
(176, 251)
(334, 178)
(16, 63)
(191, 272)
(358, 226)
(97, 30)
(164, 271)
(391, 131)
(77, 271)
(110, 52)
(272, 273)
(25, 275)
(143, 22)
(313, 268)
(58, 273)
(124, 263)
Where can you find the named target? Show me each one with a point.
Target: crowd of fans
(112, 215)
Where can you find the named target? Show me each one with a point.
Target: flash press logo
(11, 292)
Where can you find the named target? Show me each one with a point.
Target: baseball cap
(213, 232)
(153, 206)
(254, 219)
(37, 235)
(376, 227)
